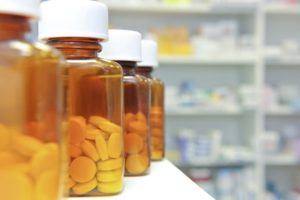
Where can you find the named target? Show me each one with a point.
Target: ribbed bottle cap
(27, 8)
(123, 45)
(73, 18)
(149, 54)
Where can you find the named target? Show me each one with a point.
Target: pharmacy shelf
(219, 164)
(283, 112)
(216, 8)
(283, 61)
(185, 112)
(226, 60)
(282, 9)
(164, 182)
(283, 161)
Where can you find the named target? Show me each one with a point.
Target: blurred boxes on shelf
(173, 41)
(198, 148)
(222, 98)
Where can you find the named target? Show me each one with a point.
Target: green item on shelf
(176, 2)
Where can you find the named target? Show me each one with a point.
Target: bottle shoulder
(158, 81)
(16, 48)
(97, 65)
(48, 51)
(136, 79)
(143, 78)
(15, 51)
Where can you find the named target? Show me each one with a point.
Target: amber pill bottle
(124, 47)
(30, 110)
(145, 68)
(93, 95)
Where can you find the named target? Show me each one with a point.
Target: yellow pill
(89, 150)
(20, 167)
(139, 127)
(82, 169)
(141, 117)
(5, 138)
(157, 132)
(47, 186)
(111, 164)
(157, 142)
(112, 187)
(15, 185)
(110, 176)
(77, 127)
(101, 147)
(105, 124)
(90, 127)
(25, 145)
(74, 151)
(156, 155)
(156, 110)
(133, 143)
(83, 188)
(109, 127)
(157, 122)
(129, 117)
(115, 145)
(46, 159)
(91, 134)
(137, 164)
(9, 158)
(157, 116)
(95, 120)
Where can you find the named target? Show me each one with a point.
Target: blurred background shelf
(220, 164)
(225, 60)
(283, 61)
(282, 9)
(177, 112)
(282, 161)
(283, 112)
(200, 8)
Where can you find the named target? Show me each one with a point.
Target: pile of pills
(157, 140)
(136, 143)
(96, 151)
(25, 170)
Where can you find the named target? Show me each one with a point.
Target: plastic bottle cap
(73, 18)
(123, 45)
(149, 54)
(27, 8)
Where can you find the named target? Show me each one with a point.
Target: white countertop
(164, 182)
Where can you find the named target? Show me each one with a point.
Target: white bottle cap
(149, 54)
(73, 18)
(123, 45)
(27, 8)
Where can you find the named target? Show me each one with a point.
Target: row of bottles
(81, 110)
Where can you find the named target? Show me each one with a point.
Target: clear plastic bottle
(145, 68)
(124, 47)
(93, 94)
(31, 156)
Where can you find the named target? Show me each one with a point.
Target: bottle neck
(128, 67)
(76, 47)
(13, 27)
(145, 71)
